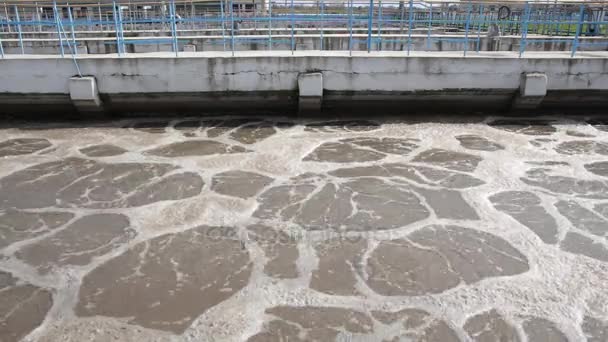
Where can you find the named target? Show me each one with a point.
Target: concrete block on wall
(532, 91)
(84, 94)
(189, 48)
(310, 88)
(533, 84)
(82, 50)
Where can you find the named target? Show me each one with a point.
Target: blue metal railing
(463, 23)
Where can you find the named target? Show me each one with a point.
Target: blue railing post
(74, 49)
(116, 31)
(428, 34)
(322, 21)
(370, 22)
(409, 30)
(57, 24)
(173, 27)
(1, 48)
(232, 27)
(524, 32)
(350, 27)
(479, 27)
(379, 44)
(19, 29)
(8, 24)
(269, 24)
(222, 11)
(293, 24)
(120, 29)
(466, 29)
(579, 26)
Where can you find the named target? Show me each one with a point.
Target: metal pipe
(115, 16)
(19, 29)
(57, 24)
(370, 15)
(524, 32)
(428, 35)
(578, 30)
(100, 18)
(479, 19)
(350, 27)
(270, 25)
(379, 45)
(7, 17)
(173, 27)
(38, 17)
(1, 48)
(293, 24)
(232, 27)
(323, 21)
(466, 31)
(409, 30)
(75, 50)
(223, 23)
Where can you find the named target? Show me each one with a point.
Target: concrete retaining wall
(268, 80)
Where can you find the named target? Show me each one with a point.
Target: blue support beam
(222, 12)
(270, 26)
(74, 47)
(115, 15)
(323, 22)
(410, 26)
(293, 24)
(579, 27)
(19, 29)
(466, 30)
(58, 26)
(350, 27)
(173, 28)
(379, 39)
(370, 18)
(524, 33)
(232, 27)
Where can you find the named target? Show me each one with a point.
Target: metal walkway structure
(236, 25)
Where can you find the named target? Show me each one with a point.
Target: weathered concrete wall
(197, 80)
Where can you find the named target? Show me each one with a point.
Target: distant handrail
(368, 25)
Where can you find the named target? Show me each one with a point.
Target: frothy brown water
(265, 229)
